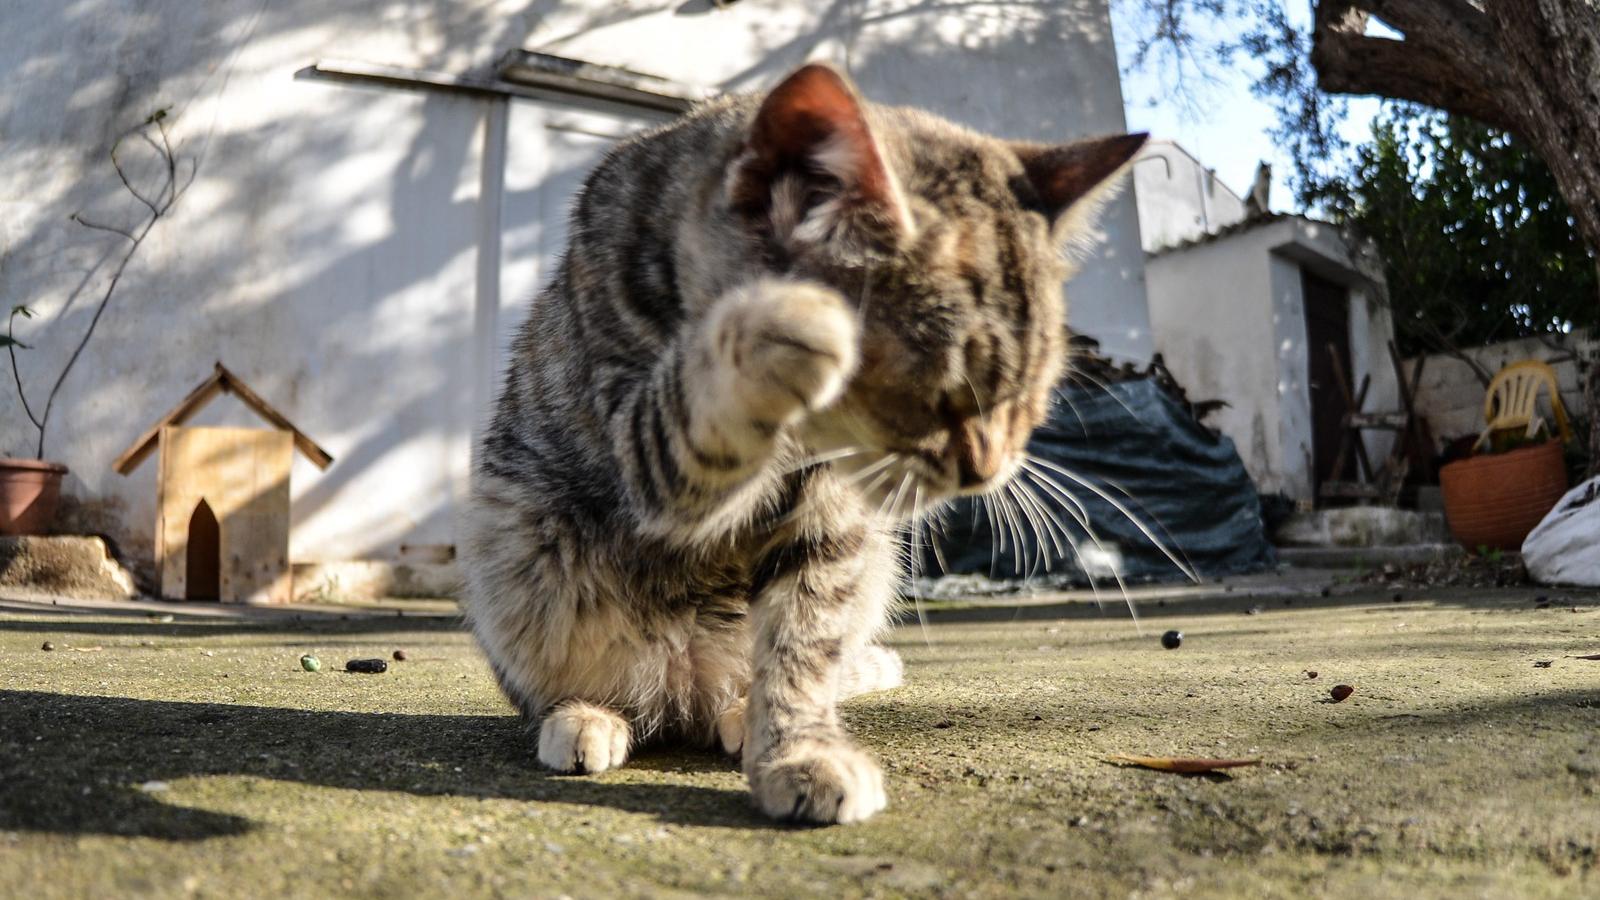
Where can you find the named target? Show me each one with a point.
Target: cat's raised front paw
(790, 346)
(583, 738)
(817, 779)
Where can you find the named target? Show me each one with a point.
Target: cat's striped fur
(782, 327)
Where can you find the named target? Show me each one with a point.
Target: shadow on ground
(75, 764)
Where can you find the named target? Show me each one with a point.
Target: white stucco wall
(1229, 317)
(1179, 199)
(359, 254)
(1451, 395)
(1041, 70)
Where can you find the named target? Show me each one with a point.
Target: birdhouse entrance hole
(204, 555)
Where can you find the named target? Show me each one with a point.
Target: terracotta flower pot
(29, 492)
(1495, 500)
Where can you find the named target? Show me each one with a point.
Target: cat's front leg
(693, 437)
(826, 588)
(775, 350)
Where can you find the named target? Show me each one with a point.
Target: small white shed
(1247, 310)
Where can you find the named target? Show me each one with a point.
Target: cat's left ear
(1069, 182)
(812, 165)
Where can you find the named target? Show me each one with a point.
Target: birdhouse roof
(221, 381)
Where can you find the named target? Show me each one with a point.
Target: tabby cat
(783, 327)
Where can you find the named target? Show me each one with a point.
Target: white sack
(1565, 547)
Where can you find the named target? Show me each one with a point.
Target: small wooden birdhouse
(222, 520)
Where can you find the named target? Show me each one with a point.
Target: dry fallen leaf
(1186, 765)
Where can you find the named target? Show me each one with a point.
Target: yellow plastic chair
(1512, 401)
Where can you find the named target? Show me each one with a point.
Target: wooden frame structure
(1412, 448)
(222, 522)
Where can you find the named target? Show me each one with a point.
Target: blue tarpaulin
(1140, 467)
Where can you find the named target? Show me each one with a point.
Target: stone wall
(1451, 395)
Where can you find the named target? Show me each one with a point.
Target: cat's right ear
(811, 166)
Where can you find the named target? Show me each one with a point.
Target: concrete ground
(192, 756)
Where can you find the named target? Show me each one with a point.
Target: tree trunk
(1591, 399)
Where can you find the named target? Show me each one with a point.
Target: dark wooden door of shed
(1327, 324)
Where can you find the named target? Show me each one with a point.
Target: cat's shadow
(99, 765)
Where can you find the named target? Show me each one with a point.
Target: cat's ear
(1070, 182)
(811, 163)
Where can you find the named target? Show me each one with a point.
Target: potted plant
(1493, 499)
(30, 488)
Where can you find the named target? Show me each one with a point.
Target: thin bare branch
(117, 164)
(16, 374)
(89, 223)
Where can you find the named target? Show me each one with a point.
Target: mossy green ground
(195, 757)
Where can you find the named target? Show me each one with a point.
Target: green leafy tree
(1477, 243)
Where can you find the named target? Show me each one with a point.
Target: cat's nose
(978, 458)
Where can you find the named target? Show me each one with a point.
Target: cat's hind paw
(825, 780)
(730, 728)
(583, 738)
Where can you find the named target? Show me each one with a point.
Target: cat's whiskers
(1079, 373)
(823, 458)
(1062, 397)
(883, 465)
(1080, 514)
(899, 494)
(1018, 550)
(1032, 519)
(916, 561)
(1046, 522)
(888, 459)
(996, 542)
(1149, 535)
(1094, 584)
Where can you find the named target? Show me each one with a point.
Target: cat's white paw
(790, 347)
(730, 728)
(583, 738)
(817, 779)
(872, 668)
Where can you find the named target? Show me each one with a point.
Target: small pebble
(1311, 673)
(1341, 691)
(1253, 611)
(47, 646)
(1543, 663)
(1172, 640)
(310, 663)
(399, 656)
(367, 666)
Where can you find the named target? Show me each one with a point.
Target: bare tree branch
(117, 164)
(168, 195)
(88, 223)
(1349, 62)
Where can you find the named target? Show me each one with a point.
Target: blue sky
(1213, 115)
